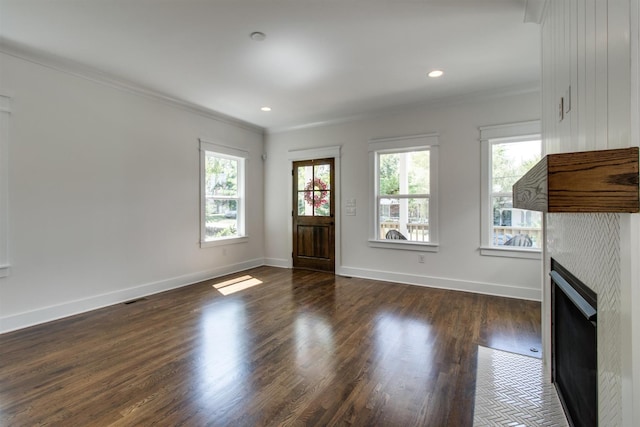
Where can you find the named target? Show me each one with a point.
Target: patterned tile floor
(512, 390)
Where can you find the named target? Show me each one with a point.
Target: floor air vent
(134, 301)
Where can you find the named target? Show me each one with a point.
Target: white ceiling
(322, 60)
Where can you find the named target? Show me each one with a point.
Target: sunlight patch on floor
(238, 284)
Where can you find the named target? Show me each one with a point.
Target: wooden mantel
(589, 181)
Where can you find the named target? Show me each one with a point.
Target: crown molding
(446, 101)
(80, 70)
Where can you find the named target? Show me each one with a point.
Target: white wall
(458, 264)
(104, 195)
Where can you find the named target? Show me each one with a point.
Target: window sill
(404, 245)
(224, 241)
(511, 252)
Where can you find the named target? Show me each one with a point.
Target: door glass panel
(314, 190)
(321, 203)
(305, 203)
(305, 174)
(322, 173)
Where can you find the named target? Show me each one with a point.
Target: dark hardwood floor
(300, 348)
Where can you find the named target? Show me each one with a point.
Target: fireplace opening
(574, 346)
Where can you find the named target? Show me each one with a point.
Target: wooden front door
(313, 215)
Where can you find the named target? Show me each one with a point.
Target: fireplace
(574, 346)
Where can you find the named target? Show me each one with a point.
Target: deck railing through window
(503, 233)
(417, 232)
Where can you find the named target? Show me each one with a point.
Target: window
(223, 194)
(404, 181)
(508, 151)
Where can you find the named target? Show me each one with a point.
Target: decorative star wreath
(313, 186)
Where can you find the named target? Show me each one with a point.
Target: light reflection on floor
(403, 349)
(238, 284)
(315, 350)
(223, 377)
(408, 338)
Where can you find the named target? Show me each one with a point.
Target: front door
(313, 215)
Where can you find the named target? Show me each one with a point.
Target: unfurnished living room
(319, 212)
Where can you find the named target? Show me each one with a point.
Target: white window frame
(512, 132)
(5, 112)
(242, 157)
(396, 145)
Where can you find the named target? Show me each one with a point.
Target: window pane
(418, 172)
(305, 175)
(404, 219)
(321, 202)
(502, 210)
(221, 176)
(510, 160)
(388, 174)
(404, 173)
(312, 203)
(322, 173)
(220, 218)
(510, 226)
(305, 203)
(418, 211)
(515, 227)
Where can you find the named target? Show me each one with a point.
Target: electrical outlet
(421, 258)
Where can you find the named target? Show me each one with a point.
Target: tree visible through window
(221, 210)
(223, 193)
(403, 195)
(510, 226)
(404, 173)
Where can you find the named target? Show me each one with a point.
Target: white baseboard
(47, 314)
(444, 283)
(54, 312)
(277, 262)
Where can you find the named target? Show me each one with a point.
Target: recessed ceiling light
(258, 36)
(265, 108)
(435, 73)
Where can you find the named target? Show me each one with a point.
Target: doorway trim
(311, 154)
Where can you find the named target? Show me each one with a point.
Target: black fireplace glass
(574, 356)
